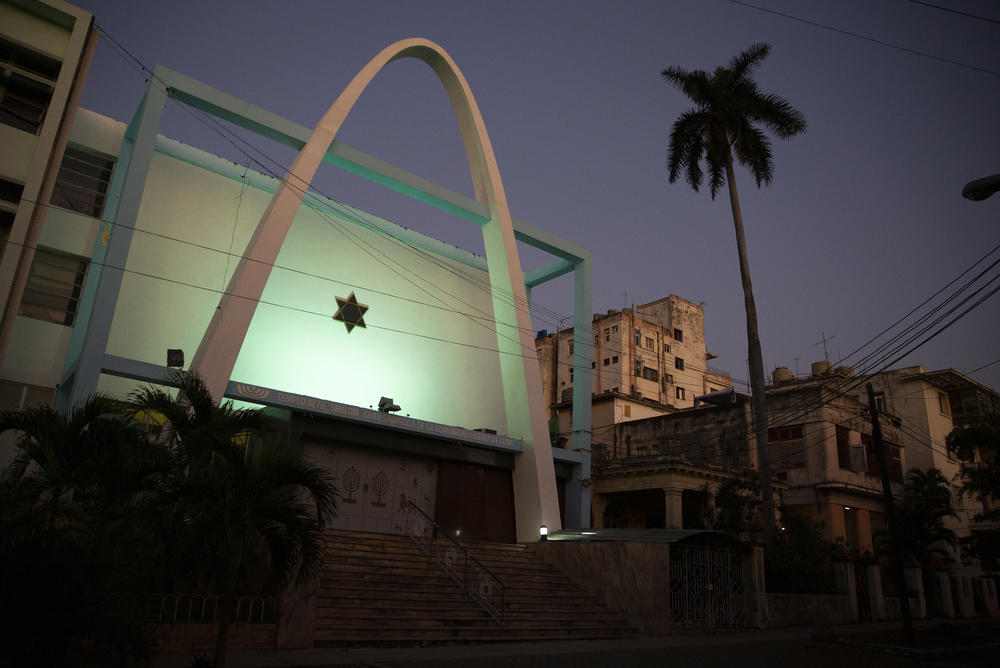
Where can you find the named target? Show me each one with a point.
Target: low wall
(892, 613)
(808, 610)
(200, 636)
(629, 577)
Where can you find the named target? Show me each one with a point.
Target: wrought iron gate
(711, 587)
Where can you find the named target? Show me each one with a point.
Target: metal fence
(711, 587)
(193, 608)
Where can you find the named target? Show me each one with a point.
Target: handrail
(476, 580)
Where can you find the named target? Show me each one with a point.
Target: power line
(865, 37)
(955, 11)
(305, 191)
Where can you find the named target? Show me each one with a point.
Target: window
(638, 338)
(571, 374)
(843, 447)
(614, 329)
(638, 369)
(593, 365)
(679, 363)
(54, 285)
(15, 396)
(83, 181)
(892, 459)
(678, 335)
(10, 195)
(669, 377)
(607, 334)
(666, 347)
(628, 411)
(606, 361)
(943, 404)
(26, 82)
(614, 359)
(678, 393)
(538, 351)
(649, 343)
(650, 374)
(880, 402)
(571, 346)
(785, 446)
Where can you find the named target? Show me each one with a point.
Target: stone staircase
(379, 589)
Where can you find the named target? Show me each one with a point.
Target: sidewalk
(381, 656)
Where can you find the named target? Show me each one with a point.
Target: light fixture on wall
(175, 358)
(386, 405)
(543, 532)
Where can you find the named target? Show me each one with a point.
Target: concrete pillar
(962, 590)
(875, 597)
(760, 586)
(942, 595)
(863, 529)
(988, 593)
(599, 503)
(833, 521)
(915, 583)
(674, 507)
(843, 574)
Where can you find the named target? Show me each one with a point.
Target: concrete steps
(379, 589)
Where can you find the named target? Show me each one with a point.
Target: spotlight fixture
(175, 357)
(386, 405)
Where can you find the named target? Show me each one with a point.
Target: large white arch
(535, 497)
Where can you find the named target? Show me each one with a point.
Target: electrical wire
(880, 42)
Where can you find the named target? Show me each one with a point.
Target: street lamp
(980, 189)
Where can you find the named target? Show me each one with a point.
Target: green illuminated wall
(430, 342)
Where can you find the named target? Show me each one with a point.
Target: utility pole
(890, 508)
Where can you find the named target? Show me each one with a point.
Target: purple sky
(863, 222)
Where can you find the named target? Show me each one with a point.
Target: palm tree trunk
(756, 364)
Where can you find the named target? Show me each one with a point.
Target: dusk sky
(864, 220)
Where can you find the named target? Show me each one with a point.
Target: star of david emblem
(350, 312)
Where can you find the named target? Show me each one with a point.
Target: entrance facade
(376, 487)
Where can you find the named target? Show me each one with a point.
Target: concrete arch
(536, 501)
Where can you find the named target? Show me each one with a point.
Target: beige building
(647, 361)
(664, 472)
(821, 447)
(45, 52)
(928, 405)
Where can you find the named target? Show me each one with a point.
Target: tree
(724, 122)
(737, 505)
(978, 446)
(245, 508)
(920, 516)
(70, 537)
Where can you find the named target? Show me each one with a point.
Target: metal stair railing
(478, 583)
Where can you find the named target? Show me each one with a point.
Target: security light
(175, 357)
(386, 405)
(543, 532)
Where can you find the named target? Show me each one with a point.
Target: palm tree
(724, 122)
(920, 516)
(245, 509)
(94, 454)
(70, 504)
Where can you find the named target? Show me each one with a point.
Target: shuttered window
(54, 287)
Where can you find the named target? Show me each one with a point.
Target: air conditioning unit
(859, 463)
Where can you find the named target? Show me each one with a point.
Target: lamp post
(980, 189)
